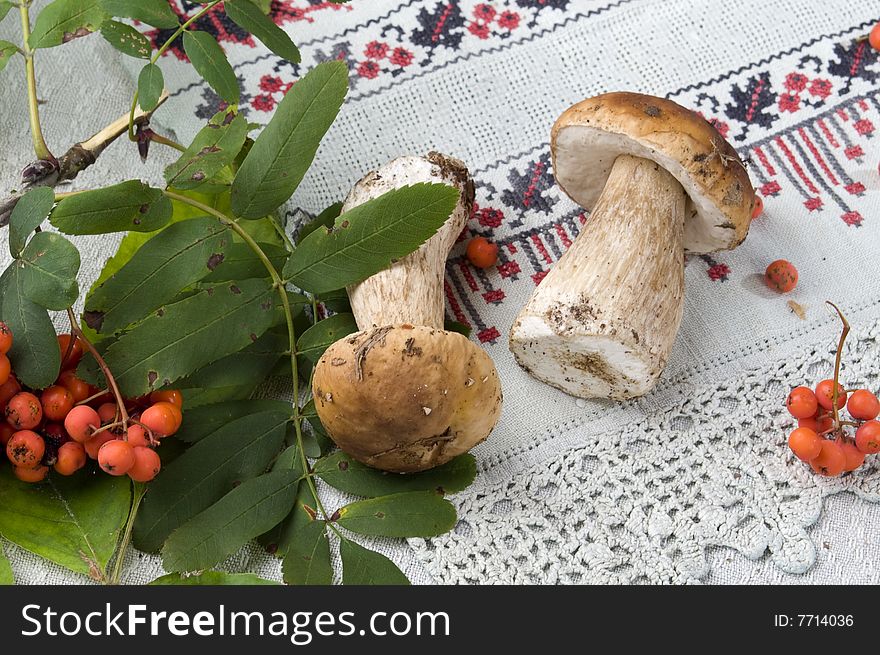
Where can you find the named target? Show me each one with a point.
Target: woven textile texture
(693, 482)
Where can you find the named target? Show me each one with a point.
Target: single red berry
(172, 396)
(5, 368)
(818, 423)
(854, 457)
(70, 354)
(801, 402)
(71, 458)
(93, 445)
(5, 338)
(758, 207)
(31, 475)
(825, 394)
(162, 419)
(830, 461)
(147, 464)
(77, 388)
(24, 411)
(482, 253)
(81, 423)
(137, 436)
(874, 37)
(805, 444)
(107, 413)
(57, 402)
(781, 276)
(116, 457)
(26, 449)
(868, 437)
(863, 405)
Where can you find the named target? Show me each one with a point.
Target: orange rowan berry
(71, 458)
(482, 253)
(801, 402)
(854, 457)
(5, 368)
(57, 402)
(5, 338)
(825, 394)
(31, 475)
(830, 461)
(172, 396)
(116, 457)
(162, 419)
(93, 445)
(781, 276)
(868, 437)
(147, 464)
(863, 405)
(805, 444)
(78, 389)
(81, 423)
(71, 360)
(24, 411)
(26, 448)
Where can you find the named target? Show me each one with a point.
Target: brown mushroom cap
(406, 398)
(588, 137)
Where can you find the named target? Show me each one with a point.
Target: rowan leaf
(407, 514)
(251, 18)
(361, 566)
(214, 147)
(27, 215)
(367, 238)
(314, 341)
(7, 50)
(5, 6)
(177, 257)
(126, 39)
(283, 152)
(47, 267)
(6, 577)
(127, 206)
(325, 219)
(210, 62)
(152, 12)
(241, 515)
(347, 474)
(199, 422)
(64, 20)
(213, 579)
(184, 336)
(73, 521)
(151, 82)
(241, 263)
(237, 451)
(35, 355)
(307, 560)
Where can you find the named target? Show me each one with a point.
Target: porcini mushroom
(661, 182)
(402, 394)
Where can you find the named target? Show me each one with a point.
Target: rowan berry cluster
(70, 422)
(833, 445)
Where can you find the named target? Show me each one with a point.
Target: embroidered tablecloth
(693, 482)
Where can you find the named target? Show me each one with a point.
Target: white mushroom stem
(411, 290)
(604, 319)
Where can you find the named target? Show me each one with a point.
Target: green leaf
(35, 355)
(325, 219)
(250, 18)
(6, 577)
(347, 474)
(73, 521)
(336, 301)
(314, 341)
(5, 6)
(408, 514)
(152, 12)
(213, 578)
(247, 511)
(307, 561)
(367, 238)
(200, 422)
(27, 215)
(64, 20)
(127, 206)
(283, 152)
(214, 147)
(209, 61)
(248, 367)
(207, 471)
(7, 50)
(177, 257)
(126, 39)
(150, 85)
(185, 336)
(455, 326)
(240, 262)
(48, 267)
(361, 566)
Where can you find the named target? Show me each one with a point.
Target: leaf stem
(40, 148)
(180, 30)
(837, 359)
(138, 492)
(108, 375)
(291, 330)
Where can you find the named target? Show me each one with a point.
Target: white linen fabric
(691, 483)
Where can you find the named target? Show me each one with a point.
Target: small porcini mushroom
(661, 182)
(403, 394)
